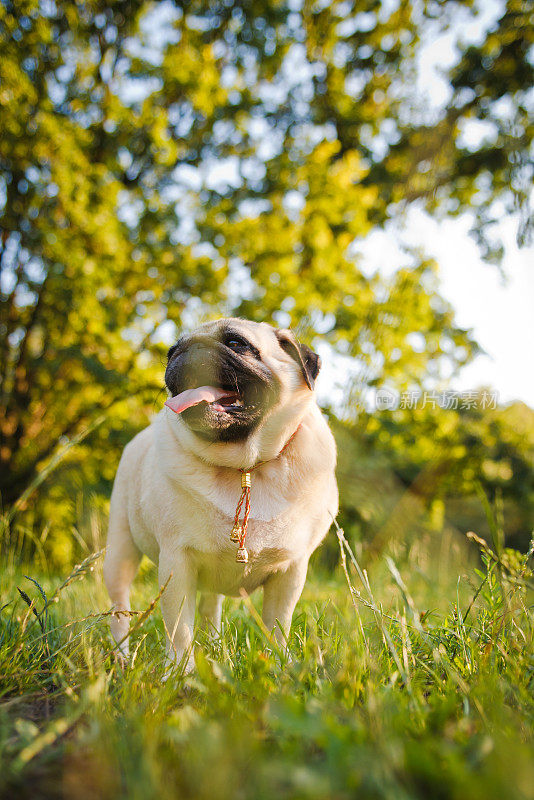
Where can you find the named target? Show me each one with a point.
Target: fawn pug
(242, 403)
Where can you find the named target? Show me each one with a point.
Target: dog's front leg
(210, 612)
(280, 596)
(178, 605)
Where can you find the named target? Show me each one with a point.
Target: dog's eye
(240, 345)
(236, 343)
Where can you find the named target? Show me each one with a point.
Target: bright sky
(500, 313)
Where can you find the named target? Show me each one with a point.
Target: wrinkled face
(253, 363)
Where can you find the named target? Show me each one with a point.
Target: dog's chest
(207, 529)
(222, 491)
(204, 532)
(271, 546)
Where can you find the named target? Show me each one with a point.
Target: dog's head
(226, 376)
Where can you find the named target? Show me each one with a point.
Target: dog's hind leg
(120, 567)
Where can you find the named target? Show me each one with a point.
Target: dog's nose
(201, 362)
(196, 365)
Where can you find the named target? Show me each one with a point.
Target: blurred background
(360, 171)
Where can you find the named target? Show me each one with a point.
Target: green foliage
(425, 468)
(381, 699)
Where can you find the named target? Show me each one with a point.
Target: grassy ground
(402, 688)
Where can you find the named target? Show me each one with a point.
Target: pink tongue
(192, 397)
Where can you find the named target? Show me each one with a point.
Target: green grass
(403, 689)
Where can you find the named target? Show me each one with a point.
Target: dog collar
(239, 529)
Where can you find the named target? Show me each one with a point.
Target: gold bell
(245, 480)
(242, 555)
(235, 536)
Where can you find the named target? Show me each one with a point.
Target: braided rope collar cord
(239, 529)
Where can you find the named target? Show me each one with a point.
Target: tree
(491, 176)
(160, 161)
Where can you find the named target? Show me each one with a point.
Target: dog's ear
(171, 351)
(309, 362)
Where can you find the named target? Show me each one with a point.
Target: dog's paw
(121, 657)
(282, 658)
(178, 669)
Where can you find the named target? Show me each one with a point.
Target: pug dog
(241, 404)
